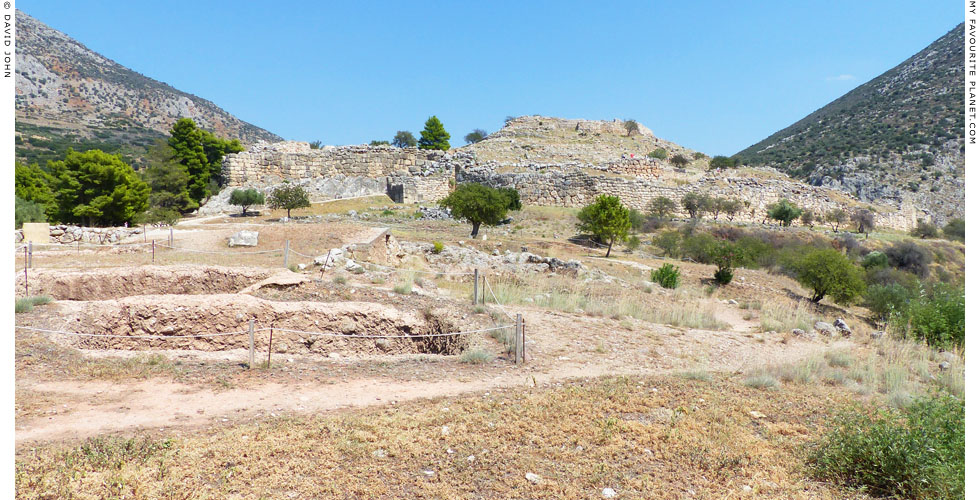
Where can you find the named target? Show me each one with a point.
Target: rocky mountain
(68, 95)
(897, 139)
(546, 140)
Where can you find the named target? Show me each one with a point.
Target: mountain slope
(898, 138)
(66, 93)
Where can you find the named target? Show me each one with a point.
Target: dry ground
(627, 385)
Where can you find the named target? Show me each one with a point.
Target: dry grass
(785, 315)
(645, 438)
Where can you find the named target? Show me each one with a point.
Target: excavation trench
(102, 284)
(177, 316)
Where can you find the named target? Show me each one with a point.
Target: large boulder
(244, 239)
(824, 328)
(330, 258)
(842, 327)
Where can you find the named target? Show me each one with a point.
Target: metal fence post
(171, 236)
(251, 343)
(26, 292)
(268, 361)
(153, 251)
(30, 254)
(476, 285)
(285, 256)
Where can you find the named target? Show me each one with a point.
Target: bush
(404, 139)
(724, 276)
(699, 247)
(632, 243)
(939, 317)
(26, 304)
(784, 211)
(669, 242)
(925, 230)
(475, 356)
(377, 142)
(661, 207)
(827, 272)
(884, 301)
(658, 154)
(918, 452)
(437, 247)
(874, 259)
(908, 256)
(668, 276)
(679, 160)
(955, 229)
(404, 288)
(475, 136)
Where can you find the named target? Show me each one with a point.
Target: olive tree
(481, 204)
(289, 197)
(606, 219)
(246, 198)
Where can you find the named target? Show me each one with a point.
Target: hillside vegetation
(898, 136)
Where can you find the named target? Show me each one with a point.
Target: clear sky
(714, 76)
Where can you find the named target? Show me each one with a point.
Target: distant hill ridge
(64, 89)
(897, 138)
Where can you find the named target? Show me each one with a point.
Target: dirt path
(560, 346)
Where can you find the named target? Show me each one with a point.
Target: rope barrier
(427, 335)
(302, 254)
(498, 302)
(182, 249)
(109, 336)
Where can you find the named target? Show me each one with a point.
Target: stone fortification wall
(578, 187)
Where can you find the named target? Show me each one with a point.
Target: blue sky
(713, 76)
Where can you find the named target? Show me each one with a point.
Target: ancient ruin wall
(577, 187)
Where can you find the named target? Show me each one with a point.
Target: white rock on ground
(244, 239)
(608, 493)
(532, 477)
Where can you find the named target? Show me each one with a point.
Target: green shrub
(659, 154)
(762, 381)
(724, 276)
(939, 317)
(827, 272)
(340, 280)
(908, 256)
(668, 276)
(669, 242)
(437, 247)
(632, 243)
(884, 301)
(916, 453)
(699, 247)
(874, 259)
(925, 230)
(955, 229)
(26, 304)
(404, 288)
(27, 211)
(727, 257)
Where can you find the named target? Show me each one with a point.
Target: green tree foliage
(658, 154)
(827, 272)
(731, 208)
(289, 197)
(404, 139)
(864, 220)
(714, 206)
(915, 453)
(925, 230)
(168, 181)
(679, 160)
(480, 204)
(955, 229)
(631, 127)
(885, 301)
(938, 317)
(513, 198)
(434, 135)
(722, 162)
(661, 207)
(874, 259)
(32, 183)
(700, 156)
(669, 242)
(97, 188)
(727, 256)
(606, 219)
(695, 204)
(379, 143)
(784, 211)
(836, 217)
(475, 136)
(807, 218)
(246, 198)
(316, 145)
(668, 275)
(637, 219)
(27, 211)
(908, 256)
(200, 152)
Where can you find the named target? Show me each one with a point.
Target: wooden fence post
(518, 340)
(153, 250)
(251, 343)
(171, 236)
(285, 256)
(144, 233)
(26, 291)
(476, 285)
(268, 361)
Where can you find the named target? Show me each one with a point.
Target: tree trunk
(611, 240)
(287, 213)
(817, 297)
(476, 229)
(244, 208)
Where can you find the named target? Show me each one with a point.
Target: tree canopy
(289, 197)
(827, 272)
(481, 204)
(200, 152)
(606, 218)
(784, 211)
(246, 198)
(31, 183)
(404, 139)
(864, 220)
(661, 207)
(96, 188)
(631, 127)
(475, 136)
(434, 135)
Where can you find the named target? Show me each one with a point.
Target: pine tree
(434, 135)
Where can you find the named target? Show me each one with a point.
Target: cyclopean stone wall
(577, 187)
